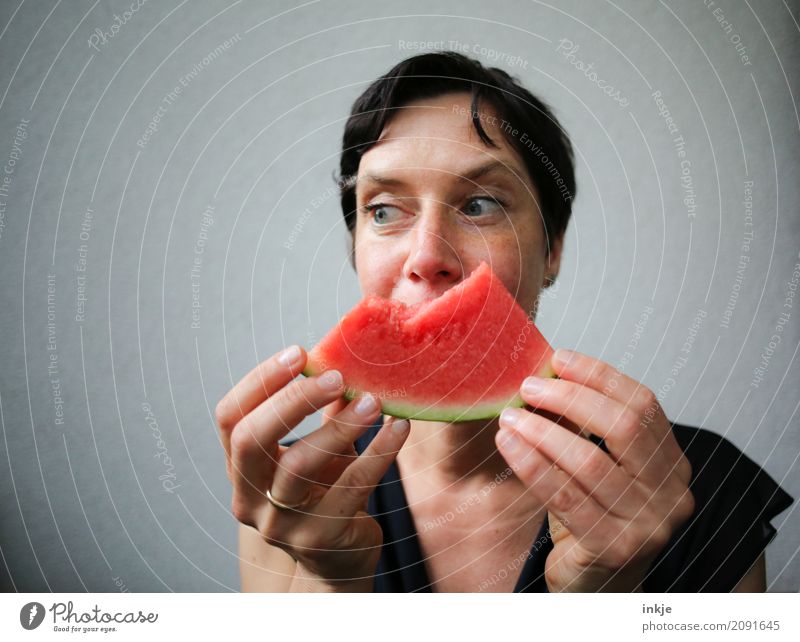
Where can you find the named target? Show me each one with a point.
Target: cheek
(519, 261)
(377, 268)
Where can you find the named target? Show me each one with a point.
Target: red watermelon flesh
(458, 357)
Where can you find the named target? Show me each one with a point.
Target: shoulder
(735, 500)
(720, 470)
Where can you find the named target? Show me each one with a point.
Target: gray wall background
(240, 167)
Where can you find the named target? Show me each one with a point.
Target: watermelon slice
(459, 357)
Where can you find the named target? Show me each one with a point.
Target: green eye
(481, 205)
(382, 213)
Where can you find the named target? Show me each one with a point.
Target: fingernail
(399, 426)
(565, 357)
(508, 441)
(289, 356)
(366, 405)
(533, 386)
(510, 417)
(331, 380)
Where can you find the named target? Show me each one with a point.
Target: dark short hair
(540, 140)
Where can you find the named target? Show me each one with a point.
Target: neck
(457, 454)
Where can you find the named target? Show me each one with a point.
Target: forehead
(438, 134)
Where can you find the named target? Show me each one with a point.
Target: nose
(432, 256)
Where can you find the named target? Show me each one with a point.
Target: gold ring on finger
(279, 504)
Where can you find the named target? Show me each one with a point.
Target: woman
(446, 163)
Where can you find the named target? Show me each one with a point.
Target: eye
(383, 214)
(482, 205)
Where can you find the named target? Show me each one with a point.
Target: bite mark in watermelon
(459, 357)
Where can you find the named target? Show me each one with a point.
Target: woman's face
(446, 202)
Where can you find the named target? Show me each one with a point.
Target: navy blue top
(735, 501)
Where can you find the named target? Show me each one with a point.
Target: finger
(576, 510)
(329, 473)
(584, 462)
(254, 440)
(299, 467)
(630, 443)
(256, 386)
(333, 409)
(561, 420)
(350, 493)
(610, 382)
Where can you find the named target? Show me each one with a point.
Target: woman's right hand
(335, 542)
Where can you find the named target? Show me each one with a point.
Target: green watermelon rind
(483, 411)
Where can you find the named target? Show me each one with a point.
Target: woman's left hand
(610, 514)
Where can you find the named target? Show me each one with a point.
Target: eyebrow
(469, 176)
